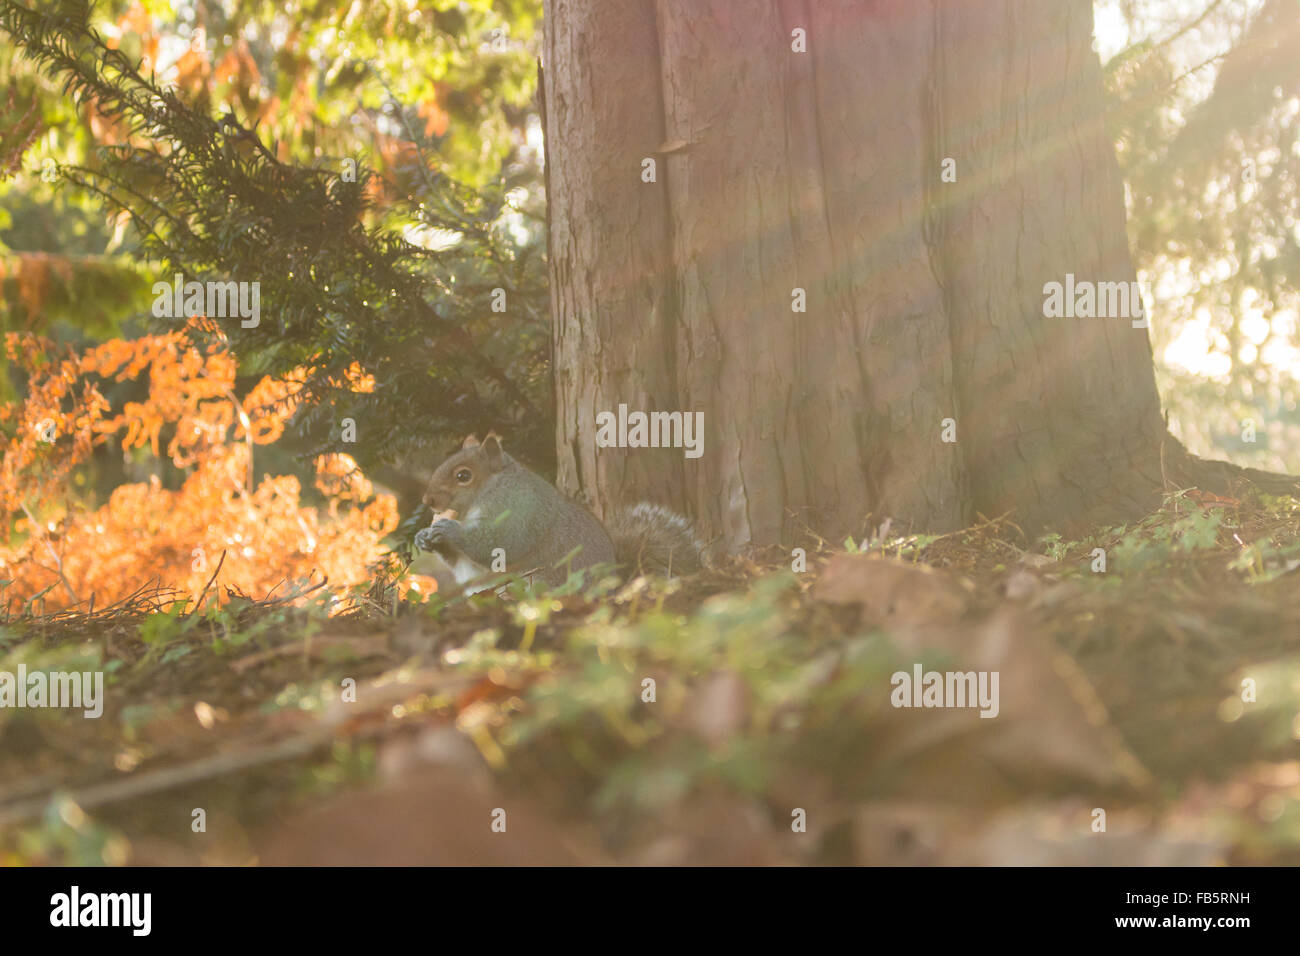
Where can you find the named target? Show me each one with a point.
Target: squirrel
(502, 505)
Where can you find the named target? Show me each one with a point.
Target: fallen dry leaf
(1048, 730)
(433, 816)
(1059, 834)
(892, 594)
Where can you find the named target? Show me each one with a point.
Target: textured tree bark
(779, 170)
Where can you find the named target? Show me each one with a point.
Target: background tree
(1204, 99)
(386, 211)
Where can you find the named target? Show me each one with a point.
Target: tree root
(1181, 469)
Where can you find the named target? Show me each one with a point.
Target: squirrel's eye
(464, 476)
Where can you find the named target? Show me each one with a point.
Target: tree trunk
(779, 170)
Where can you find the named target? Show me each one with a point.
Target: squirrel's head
(460, 478)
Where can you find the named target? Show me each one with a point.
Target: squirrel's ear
(470, 442)
(492, 448)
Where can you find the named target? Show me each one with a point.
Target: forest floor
(1148, 712)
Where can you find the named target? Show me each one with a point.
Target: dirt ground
(1148, 712)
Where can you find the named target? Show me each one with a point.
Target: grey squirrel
(483, 500)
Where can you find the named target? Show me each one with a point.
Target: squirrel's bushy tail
(654, 538)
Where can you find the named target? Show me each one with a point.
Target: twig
(204, 593)
(248, 437)
(168, 777)
(58, 562)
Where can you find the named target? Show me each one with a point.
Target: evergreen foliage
(342, 291)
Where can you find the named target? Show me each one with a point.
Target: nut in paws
(437, 534)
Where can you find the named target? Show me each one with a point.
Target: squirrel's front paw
(437, 536)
